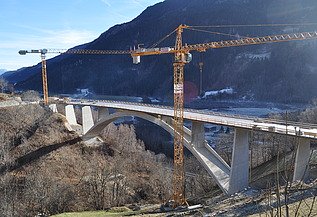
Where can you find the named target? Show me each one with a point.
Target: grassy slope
(117, 211)
(303, 210)
(92, 214)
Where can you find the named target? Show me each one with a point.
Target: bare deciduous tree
(3, 84)
(30, 96)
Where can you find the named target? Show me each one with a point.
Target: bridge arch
(104, 122)
(210, 160)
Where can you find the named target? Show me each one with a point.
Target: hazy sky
(36, 24)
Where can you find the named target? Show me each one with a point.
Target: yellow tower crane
(44, 74)
(182, 57)
(43, 53)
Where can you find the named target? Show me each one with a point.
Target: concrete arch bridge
(230, 178)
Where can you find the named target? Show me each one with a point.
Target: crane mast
(178, 175)
(182, 57)
(44, 79)
(44, 72)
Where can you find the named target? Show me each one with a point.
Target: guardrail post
(88, 121)
(198, 134)
(301, 168)
(239, 173)
(70, 115)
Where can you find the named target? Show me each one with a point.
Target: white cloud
(137, 2)
(59, 39)
(69, 37)
(106, 2)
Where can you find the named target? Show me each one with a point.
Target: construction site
(62, 154)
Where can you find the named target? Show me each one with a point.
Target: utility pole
(201, 65)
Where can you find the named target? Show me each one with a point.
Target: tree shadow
(35, 155)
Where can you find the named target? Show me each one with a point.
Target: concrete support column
(198, 134)
(167, 120)
(302, 160)
(102, 112)
(88, 121)
(53, 107)
(239, 173)
(70, 115)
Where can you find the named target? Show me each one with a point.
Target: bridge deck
(237, 121)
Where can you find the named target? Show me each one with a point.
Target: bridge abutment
(239, 173)
(302, 160)
(87, 119)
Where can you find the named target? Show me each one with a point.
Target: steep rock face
(274, 72)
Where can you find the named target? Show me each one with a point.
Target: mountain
(284, 72)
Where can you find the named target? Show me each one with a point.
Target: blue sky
(35, 24)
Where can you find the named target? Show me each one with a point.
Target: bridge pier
(198, 134)
(239, 173)
(302, 160)
(167, 120)
(71, 119)
(53, 107)
(102, 113)
(70, 115)
(87, 119)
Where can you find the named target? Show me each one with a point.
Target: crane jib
(252, 41)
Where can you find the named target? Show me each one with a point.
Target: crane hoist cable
(201, 67)
(161, 40)
(193, 29)
(216, 33)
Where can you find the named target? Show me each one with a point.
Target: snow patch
(259, 56)
(154, 100)
(83, 92)
(262, 56)
(218, 92)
